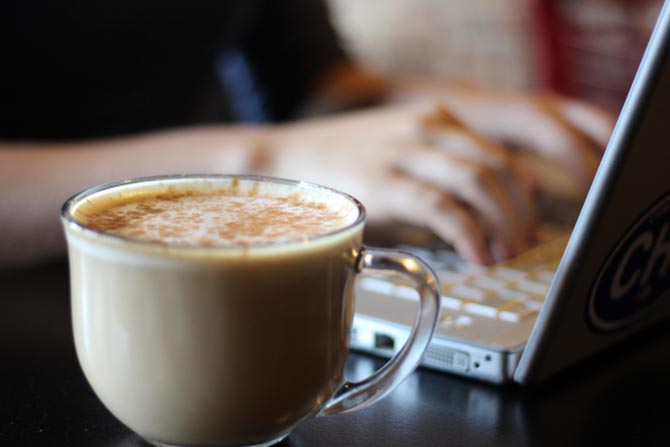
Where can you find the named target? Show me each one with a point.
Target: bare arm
(413, 161)
(36, 178)
(377, 155)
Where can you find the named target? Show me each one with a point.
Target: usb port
(383, 341)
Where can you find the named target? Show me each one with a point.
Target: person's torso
(98, 68)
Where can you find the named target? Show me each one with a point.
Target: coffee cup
(216, 310)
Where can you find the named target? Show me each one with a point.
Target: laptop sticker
(636, 273)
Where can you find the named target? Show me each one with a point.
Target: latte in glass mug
(216, 310)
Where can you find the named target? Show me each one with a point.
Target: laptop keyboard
(509, 292)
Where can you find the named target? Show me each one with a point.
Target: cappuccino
(186, 353)
(217, 215)
(216, 310)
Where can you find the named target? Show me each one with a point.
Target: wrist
(204, 150)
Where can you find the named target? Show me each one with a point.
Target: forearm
(36, 178)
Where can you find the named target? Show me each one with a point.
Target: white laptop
(577, 294)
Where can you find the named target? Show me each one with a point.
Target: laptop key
(512, 295)
(509, 273)
(451, 302)
(480, 309)
(491, 306)
(471, 269)
(528, 285)
(448, 277)
(488, 282)
(464, 292)
(516, 315)
(463, 321)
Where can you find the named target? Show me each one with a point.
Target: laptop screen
(614, 278)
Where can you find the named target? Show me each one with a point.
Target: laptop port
(383, 341)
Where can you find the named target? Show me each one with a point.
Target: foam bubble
(219, 217)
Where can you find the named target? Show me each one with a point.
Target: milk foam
(220, 217)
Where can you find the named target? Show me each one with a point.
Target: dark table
(619, 398)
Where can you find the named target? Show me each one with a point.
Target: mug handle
(356, 395)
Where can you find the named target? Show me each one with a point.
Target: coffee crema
(210, 217)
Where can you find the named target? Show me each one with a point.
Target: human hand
(418, 164)
(569, 132)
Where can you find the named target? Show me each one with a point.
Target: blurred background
(584, 48)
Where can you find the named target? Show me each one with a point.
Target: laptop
(578, 293)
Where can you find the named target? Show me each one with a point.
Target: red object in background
(591, 48)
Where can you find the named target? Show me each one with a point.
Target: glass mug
(222, 343)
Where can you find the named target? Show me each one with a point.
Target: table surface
(619, 398)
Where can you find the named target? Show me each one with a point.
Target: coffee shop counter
(621, 398)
